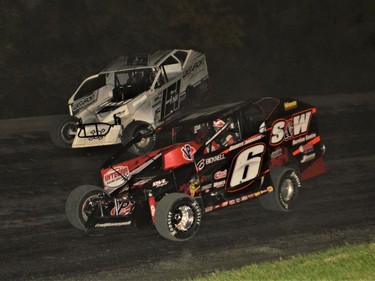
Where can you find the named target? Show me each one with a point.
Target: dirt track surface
(37, 243)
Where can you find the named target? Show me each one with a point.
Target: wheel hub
(69, 131)
(287, 190)
(88, 207)
(184, 218)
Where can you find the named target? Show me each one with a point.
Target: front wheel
(63, 131)
(81, 203)
(146, 144)
(178, 217)
(286, 184)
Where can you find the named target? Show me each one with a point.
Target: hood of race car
(167, 158)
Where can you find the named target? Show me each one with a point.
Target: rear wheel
(81, 203)
(286, 184)
(63, 131)
(178, 217)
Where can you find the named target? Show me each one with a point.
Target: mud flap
(142, 216)
(315, 169)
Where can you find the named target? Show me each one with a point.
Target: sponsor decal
(220, 175)
(193, 67)
(308, 157)
(96, 134)
(116, 177)
(240, 199)
(121, 208)
(276, 153)
(307, 148)
(188, 152)
(246, 142)
(108, 224)
(141, 182)
(215, 159)
(224, 204)
(152, 210)
(203, 162)
(219, 184)
(85, 101)
(200, 165)
(194, 187)
(284, 130)
(206, 187)
(303, 139)
(160, 183)
(290, 105)
(152, 204)
(296, 177)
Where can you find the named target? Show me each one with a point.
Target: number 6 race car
(130, 95)
(218, 157)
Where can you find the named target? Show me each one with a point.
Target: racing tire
(79, 205)
(178, 217)
(286, 187)
(63, 131)
(142, 147)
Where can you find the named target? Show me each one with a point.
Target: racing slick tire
(178, 217)
(145, 145)
(286, 187)
(63, 131)
(79, 205)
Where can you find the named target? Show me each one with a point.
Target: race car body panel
(261, 147)
(146, 88)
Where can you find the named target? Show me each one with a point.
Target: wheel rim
(287, 190)
(183, 218)
(88, 206)
(144, 142)
(68, 132)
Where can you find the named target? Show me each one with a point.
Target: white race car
(133, 94)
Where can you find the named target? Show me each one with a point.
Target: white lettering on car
(284, 130)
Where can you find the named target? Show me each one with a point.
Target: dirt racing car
(218, 157)
(130, 95)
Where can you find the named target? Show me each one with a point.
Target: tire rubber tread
(55, 129)
(73, 203)
(270, 201)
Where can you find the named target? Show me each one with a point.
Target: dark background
(253, 47)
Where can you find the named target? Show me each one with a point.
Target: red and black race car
(217, 157)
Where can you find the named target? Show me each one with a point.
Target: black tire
(286, 187)
(146, 144)
(63, 131)
(178, 217)
(79, 204)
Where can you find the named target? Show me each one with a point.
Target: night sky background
(253, 47)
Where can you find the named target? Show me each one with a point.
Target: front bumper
(97, 134)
